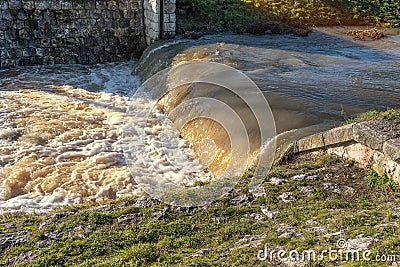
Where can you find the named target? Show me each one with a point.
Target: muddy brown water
(61, 126)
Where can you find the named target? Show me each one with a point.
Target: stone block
(4, 24)
(134, 5)
(37, 14)
(116, 14)
(311, 142)
(106, 14)
(338, 135)
(22, 33)
(28, 4)
(78, 5)
(18, 24)
(123, 23)
(383, 165)
(357, 152)
(3, 5)
(124, 5)
(374, 133)
(10, 35)
(39, 52)
(82, 13)
(101, 5)
(6, 15)
(66, 5)
(169, 8)
(55, 4)
(28, 52)
(14, 4)
(172, 18)
(90, 5)
(153, 5)
(42, 4)
(112, 5)
(391, 148)
(169, 27)
(21, 15)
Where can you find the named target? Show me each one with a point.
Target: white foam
(62, 145)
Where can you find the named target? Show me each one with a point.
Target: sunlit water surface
(62, 126)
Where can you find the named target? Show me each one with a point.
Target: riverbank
(257, 17)
(370, 139)
(309, 202)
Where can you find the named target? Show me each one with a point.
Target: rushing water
(61, 137)
(61, 126)
(319, 79)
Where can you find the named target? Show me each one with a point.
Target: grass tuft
(390, 114)
(380, 181)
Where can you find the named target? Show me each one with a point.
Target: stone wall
(34, 32)
(159, 17)
(373, 144)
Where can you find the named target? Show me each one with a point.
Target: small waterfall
(63, 127)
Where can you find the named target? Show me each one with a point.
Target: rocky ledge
(373, 144)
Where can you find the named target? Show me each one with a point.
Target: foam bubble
(62, 145)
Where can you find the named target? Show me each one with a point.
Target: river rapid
(62, 126)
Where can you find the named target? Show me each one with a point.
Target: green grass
(390, 114)
(380, 181)
(94, 236)
(379, 11)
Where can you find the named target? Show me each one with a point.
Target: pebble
(287, 235)
(270, 214)
(312, 223)
(332, 187)
(288, 197)
(306, 177)
(129, 219)
(307, 190)
(258, 191)
(361, 243)
(241, 201)
(277, 181)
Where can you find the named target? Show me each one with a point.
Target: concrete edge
(362, 132)
(378, 135)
